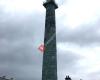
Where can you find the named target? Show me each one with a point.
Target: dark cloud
(19, 38)
(67, 59)
(85, 35)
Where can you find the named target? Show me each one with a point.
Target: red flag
(41, 48)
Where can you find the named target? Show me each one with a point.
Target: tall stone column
(49, 68)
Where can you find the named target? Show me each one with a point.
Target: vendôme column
(49, 68)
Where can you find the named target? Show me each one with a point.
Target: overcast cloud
(22, 25)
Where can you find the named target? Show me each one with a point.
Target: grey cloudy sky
(78, 39)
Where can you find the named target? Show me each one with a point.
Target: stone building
(4, 78)
(68, 78)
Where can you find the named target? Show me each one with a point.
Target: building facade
(4, 78)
